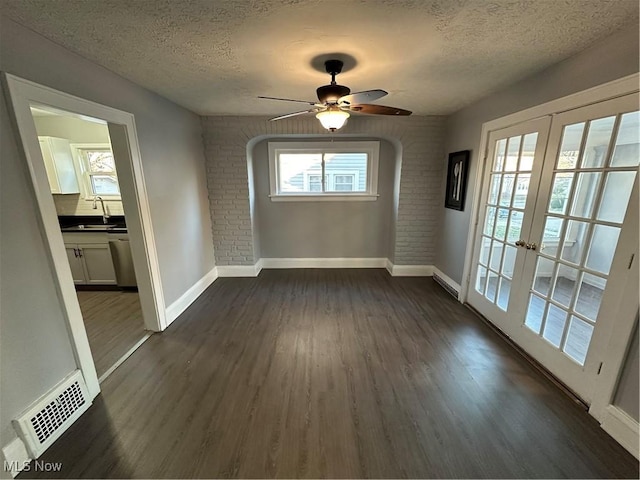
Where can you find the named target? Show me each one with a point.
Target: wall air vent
(52, 414)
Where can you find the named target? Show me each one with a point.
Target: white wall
(36, 353)
(609, 59)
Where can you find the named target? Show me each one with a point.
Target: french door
(557, 232)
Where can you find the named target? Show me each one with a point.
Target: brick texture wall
(421, 190)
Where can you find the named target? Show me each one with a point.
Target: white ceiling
(217, 56)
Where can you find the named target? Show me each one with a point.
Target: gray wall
(324, 229)
(36, 351)
(627, 396)
(610, 59)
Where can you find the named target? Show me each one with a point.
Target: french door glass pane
(570, 148)
(598, 139)
(578, 339)
(590, 295)
(586, 207)
(617, 191)
(603, 246)
(627, 153)
(587, 185)
(535, 313)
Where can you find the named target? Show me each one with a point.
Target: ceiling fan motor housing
(331, 93)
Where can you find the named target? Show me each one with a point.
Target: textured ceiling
(216, 56)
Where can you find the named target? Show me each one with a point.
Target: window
(98, 169)
(323, 170)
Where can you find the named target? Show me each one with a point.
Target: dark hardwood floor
(114, 324)
(333, 374)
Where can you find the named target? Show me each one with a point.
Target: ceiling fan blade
(294, 114)
(359, 97)
(288, 100)
(378, 110)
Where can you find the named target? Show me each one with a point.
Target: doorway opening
(127, 169)
(83, 179)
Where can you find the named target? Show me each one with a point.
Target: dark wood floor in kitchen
(333, 373)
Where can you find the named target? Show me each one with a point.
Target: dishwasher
(122, 260)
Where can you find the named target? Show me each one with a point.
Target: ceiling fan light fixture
(333, 119)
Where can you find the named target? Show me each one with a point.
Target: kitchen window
(98, 171)
(316, 171)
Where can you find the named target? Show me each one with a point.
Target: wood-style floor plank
(333, 374)
(114, 324)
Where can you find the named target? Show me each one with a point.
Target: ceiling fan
(336, 102)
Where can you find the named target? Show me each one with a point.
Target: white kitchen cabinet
(90, 258)
(75, 261)
(58, 161)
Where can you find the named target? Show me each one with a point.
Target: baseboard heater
(48, 418)
(440, 281)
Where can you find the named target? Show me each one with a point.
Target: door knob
(531, 246)
(520, 243)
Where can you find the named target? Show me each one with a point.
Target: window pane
(528, 151)
(348, 170)
(535, 312)
(590, 296)
(503, 294)
(560, 192)
(578, 340)
(554, 326)
(513, 150)
(603, 246)
(551, 237)
(575, 239)
(565, 285)
(100, 161)
(544, 272)
(571, 138)
(626, 152)
(586, 188)
(598, 139)
(617, 190)
(499, 158)
(294, 167)
(105, 185)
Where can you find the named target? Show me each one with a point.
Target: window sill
(326, 197)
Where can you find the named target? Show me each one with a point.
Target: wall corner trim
(240, 270)
(624, 429)
(187, 298)
(15, 456)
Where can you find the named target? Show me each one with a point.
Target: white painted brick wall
(421, 189)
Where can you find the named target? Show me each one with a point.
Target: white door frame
(620, 336)
(21, 93)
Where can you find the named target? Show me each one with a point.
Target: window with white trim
(98, 170)
(323, 170)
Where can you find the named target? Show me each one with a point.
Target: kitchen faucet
(105, 217)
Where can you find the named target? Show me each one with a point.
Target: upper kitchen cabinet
(58, 162)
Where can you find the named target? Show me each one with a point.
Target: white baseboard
(15, 457)
(239, 270)
(455, 286)
(409, 270)
(623, 429)
(187, 298)
(323, 262)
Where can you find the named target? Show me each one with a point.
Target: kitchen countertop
(95, 229)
